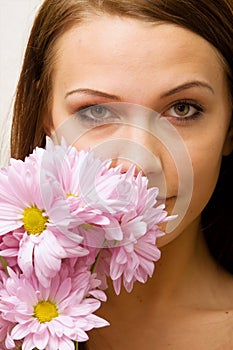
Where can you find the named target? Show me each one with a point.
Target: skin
(155, 66)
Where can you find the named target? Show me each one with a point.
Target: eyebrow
(174, 91)
(93, 93)
(187, 86)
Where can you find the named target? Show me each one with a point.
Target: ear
(228, 144)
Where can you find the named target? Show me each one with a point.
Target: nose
(135, 142)
(139, 146)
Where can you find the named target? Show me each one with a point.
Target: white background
(16, 17)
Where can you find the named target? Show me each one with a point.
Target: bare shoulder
(205, 330)
(218, 320)
(223, 316)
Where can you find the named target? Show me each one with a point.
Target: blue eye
(96, 114)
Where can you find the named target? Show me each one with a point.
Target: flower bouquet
(69, 224)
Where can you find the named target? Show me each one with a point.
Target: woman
(83, 59)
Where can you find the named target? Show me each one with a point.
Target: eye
(184, 110)
(97, 111)
(97, 114)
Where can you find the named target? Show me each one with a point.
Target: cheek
(205, 150)
(206, 167)
(206, 162)
(89, 139)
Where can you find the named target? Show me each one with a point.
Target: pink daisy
(133, 258)
(95, 192)
(9, 247)
(38, 211)
(51, 318)
(76, 173)
(6, 342)
(134, 261)
(127, 199)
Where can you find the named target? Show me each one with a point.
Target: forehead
(113, 48)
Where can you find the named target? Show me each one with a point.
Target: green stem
(98, 257)
(96, 261)
(4, 265)
(76, 345)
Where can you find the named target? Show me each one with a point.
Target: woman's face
(164, 105)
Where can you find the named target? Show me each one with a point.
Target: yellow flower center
(34, 220)
(45, 311)
(87, 227)
(72, 195)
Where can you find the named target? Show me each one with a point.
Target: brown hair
(210, 19)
